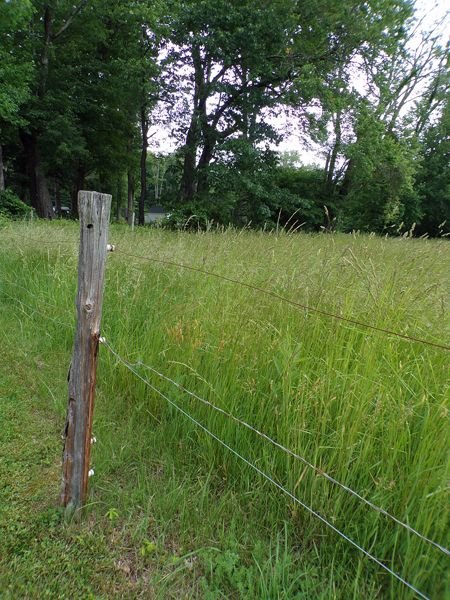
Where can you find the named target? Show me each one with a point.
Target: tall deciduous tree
(404, 87)
(231, 58)
(49, 27)
(15, 68)
(370, 37)
(380, 195)
(434, 177)
(84, 93)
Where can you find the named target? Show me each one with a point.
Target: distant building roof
(158, 209)
(155, 214)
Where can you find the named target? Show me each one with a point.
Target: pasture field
(171, 512)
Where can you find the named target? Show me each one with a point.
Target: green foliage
(148, 548)
(243, 185)
(379, 192)
(15, 60)
(191, 216)
(75, 114)
(11, 206)
(84, 87)
(302, 197)
(112, 514)
(277, 575)
(434, 177)
(249, 188)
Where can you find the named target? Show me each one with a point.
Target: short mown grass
(171, 513)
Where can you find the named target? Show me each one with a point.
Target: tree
(380, 185)
(47, 27)
(404, 87)
(15, 68)
(434, 177)
(148, 96)
(231, 57)
(80, 82)
(80, 115)
(370, 40)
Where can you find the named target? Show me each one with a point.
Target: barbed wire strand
(290, 452)
(267, 477)
(287, 300)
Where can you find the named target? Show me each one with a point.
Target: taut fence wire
(288, 451)
(273, 294)
(133, 369)
(268, 478)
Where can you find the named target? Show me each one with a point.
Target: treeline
(84, 86)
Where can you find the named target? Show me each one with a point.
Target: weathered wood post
(94, 210)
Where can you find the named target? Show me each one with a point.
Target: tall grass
(368, 408)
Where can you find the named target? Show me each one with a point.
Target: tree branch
(68, 22)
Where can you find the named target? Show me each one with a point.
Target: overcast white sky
(428, 10)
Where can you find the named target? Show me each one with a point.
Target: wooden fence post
(94, 210)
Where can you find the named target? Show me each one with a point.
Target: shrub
(11, 206)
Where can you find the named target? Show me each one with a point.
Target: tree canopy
(84, 87)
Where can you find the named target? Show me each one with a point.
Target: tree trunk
(48, 26)
(144, 147)
(188, 182)
(331, 161)
(346, 184)
(39, 194)
(2, 173)
(157, 185)
(203, 165)
(78, 185)
(118, 197)
(44, 208)
(57, 200)
(28, 146)
(188, 187)
(130, 207)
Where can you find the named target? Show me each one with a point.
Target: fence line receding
(266, 476)
(277, 296)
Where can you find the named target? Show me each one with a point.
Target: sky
(429, 11)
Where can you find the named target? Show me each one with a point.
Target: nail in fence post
(94, 210)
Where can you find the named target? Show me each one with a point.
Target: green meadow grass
(172, 513)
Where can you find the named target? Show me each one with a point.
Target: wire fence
(270, 293)
(266, 476)
(319, 471)
(277, 296)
